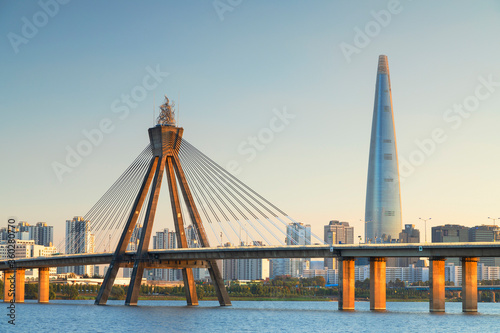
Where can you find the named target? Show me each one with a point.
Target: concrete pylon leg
(109, 279)
(138, 269)
(436, 277)
(213, 269)
(20, 272)
(469, 284)
(9, 284)
(43, 285)
(346, 284)
(377, 284)
(187, 273)
(189, 286)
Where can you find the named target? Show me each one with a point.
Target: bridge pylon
(165, 139)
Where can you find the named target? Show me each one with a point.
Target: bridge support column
(20, 285)
(43, 285)
(377, 284)
(346, 284)
(469, 284)
(9, 281)
(436, 277)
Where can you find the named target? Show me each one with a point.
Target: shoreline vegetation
(278, 289)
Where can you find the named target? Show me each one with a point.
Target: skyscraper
(44, 234)
(485, 233)
(165, 239)
(297, 233)
(79, 240)
(337, 233)
(383, 198)
(408, 235)
(245, 269)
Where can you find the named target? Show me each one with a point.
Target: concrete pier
(377, 284)
(43, 285)
(437, 287)
(346, 284)
(20, 285)
(469, 284)
(8, 285)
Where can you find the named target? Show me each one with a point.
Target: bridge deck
(168, 258)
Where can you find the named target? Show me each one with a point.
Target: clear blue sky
(230, 75)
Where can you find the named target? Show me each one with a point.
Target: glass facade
(383, 198)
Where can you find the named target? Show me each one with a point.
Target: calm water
(174, 316)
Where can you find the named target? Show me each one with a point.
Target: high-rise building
(230, 267)
(79, 239)
(297, 233)
(383, 198)
(408, 235)
(486, 233)
(337, 233)
(41, 233)
(165, 239)
(133, 244)
(44, 234)
(450, 233)
(27, 249)
(199, 274)
(245, 269)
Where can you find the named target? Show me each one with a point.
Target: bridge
(197, 257)
(228, 208)
(201, 258)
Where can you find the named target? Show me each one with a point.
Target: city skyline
(64, 82)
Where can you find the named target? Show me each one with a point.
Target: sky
(298, 75)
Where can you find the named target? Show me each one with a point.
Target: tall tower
(383, 197)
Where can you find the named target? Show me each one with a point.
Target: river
(246, 316)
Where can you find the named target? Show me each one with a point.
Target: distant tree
(319, 281)
(52, 294)
(257, 289)
(200, 291)
(31, 291)
(117, 292)
(71, 292)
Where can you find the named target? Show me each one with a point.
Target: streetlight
(494, 233)
(494, 219)
(425, 226)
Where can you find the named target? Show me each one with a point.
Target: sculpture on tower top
(167, 113)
